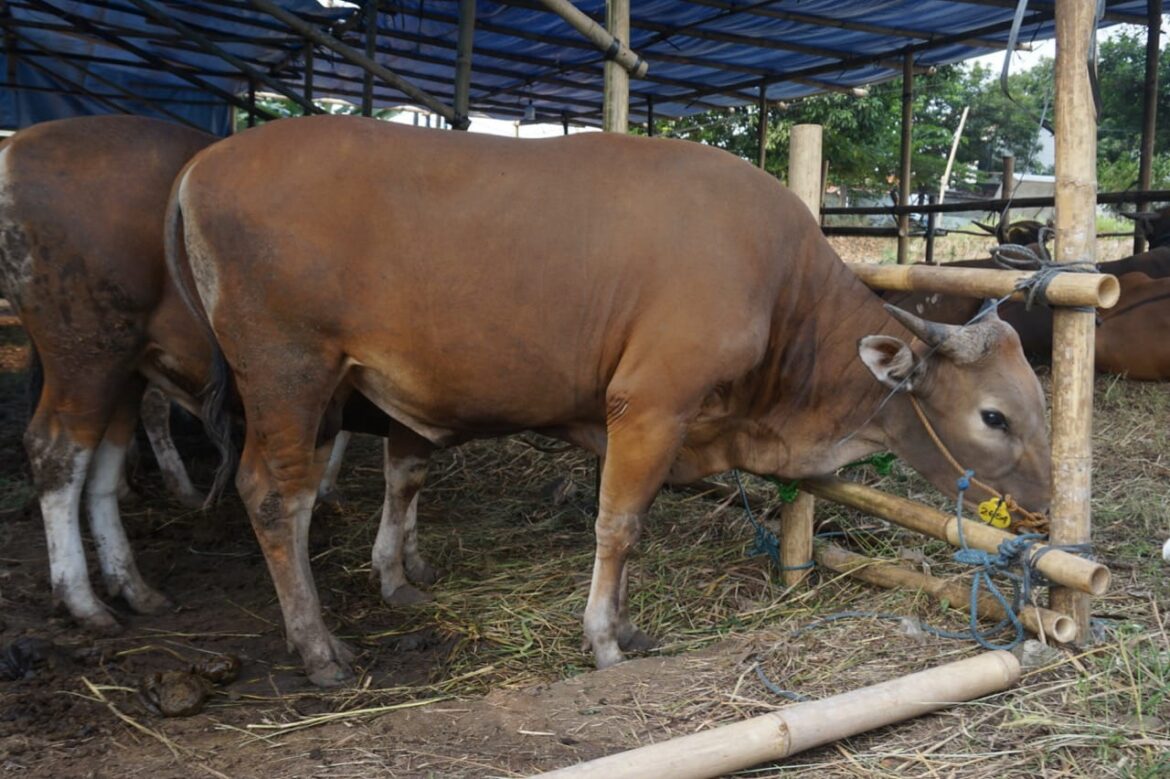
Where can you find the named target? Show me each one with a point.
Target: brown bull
(81, 258)
(659, 301)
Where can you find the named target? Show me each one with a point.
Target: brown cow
(659, 301)
(81, 259)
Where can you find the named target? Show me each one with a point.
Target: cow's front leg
(639, 455)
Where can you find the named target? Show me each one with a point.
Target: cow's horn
(963, 344)
(1136, 215)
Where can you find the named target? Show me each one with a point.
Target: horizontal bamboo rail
(1130, 196)
(1099, 290)
(1057, 565)
(613, 48)
(1039, 620)
(793, 729)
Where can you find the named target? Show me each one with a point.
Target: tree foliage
(862, 135)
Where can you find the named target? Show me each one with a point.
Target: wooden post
(309, 65)
(616, 111)
(649, 116)
(796, 518)
(251, 103)
(1008, 185)
(905, 170)
(762, 125)
(1072, 337)
(1149, 109)
(464, 49)
(931, 224)
(371, 50)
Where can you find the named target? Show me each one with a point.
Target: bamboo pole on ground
(1072, 331)
(892, 576)
(1099, 290)
(616, 110)
(796, 518)
(1085, 576)
(802, 726)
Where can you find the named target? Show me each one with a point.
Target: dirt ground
(489, 678)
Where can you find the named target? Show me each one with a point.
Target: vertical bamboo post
(1149, 109)
(251, 103)
(762, 125)
(371, 41)
(464, 46)
(796, 518)
(616, 111)
(649, 116)
(906, 169)
(1008, 185)
(309, 64)
(1072, 339)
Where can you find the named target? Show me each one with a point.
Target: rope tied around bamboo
(1014, 256)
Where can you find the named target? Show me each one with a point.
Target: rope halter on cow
(1020, 517)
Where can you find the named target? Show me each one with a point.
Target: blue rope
(766, 541)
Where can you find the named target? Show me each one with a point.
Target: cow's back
(492, 263)
(81, 208)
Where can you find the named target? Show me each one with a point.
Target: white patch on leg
(156, 410)
(1166, 551)
(119, 570)
(396, 538)
(61, 511)
(333, 467)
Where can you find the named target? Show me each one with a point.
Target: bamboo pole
(464, 49)
(906, 169)
(1149, 110)
(780, 734)
(1008, 181)
(1085, 576)
(616, 110)
(946, 179)
(796, 518)
(371, 49)
(891, 576)
(309, 65)
(351, 55)
(613, 43)
(762, 125)
(1100, 290)
(1072, 331)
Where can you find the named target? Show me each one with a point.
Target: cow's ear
(891, 361)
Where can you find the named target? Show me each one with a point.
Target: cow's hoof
(330, 674)
(146, 600)
(330, 499)
(424, 573)
(635, 640)
(407, 595)
(100, 623)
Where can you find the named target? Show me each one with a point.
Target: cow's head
(1153, 226)
(979, 394)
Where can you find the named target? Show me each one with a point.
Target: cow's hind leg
(156, 419)
(642, 445)
(119, 571)
(327, 491)
(406, 456)
(69, 422)
(286, 448)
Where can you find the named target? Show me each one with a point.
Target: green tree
(284, 108)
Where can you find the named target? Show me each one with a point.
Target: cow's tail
(216, 418)
(34, 382)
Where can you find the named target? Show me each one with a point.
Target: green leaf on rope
(787, 490)
(882, 462)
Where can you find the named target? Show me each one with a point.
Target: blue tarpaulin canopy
(100, 56)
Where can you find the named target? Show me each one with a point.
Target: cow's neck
(811, 405)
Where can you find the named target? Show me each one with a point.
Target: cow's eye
(995, 419)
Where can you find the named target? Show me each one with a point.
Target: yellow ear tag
(993, 512)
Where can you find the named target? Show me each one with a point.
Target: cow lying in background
(658, 301)
(81, 260)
